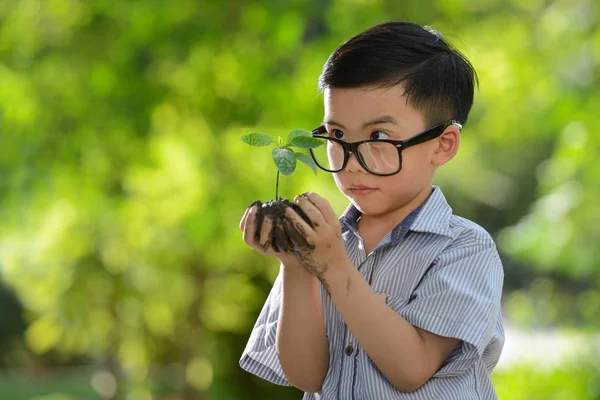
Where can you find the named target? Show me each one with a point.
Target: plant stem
(277, 187)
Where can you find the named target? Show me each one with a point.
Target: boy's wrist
(335, 277)
(293, 268)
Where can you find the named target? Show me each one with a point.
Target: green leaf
(306, 142)
(306, 159)
(258, 139)
(297, 133)
(285, 160)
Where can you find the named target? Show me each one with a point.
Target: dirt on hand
(285, 238)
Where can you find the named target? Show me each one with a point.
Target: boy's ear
(447, 146)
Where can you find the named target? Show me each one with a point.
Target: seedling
(284, 157)
(286, 160)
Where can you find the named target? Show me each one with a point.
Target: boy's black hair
(438, 80)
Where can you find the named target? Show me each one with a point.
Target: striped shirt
(441, 273)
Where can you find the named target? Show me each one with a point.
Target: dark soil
(284, 235)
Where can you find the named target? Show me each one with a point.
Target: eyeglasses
(378, 157)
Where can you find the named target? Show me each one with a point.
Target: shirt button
(349, 349)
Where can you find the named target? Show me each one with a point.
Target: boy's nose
(353, 165)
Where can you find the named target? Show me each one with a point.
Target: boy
(398, 298)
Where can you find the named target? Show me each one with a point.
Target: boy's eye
(379, 135)
(336, 133)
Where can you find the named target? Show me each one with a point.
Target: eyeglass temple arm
(431, 134)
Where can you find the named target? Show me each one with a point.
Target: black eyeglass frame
(352, 148)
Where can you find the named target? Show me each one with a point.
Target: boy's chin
(368, 206)
(375, 207)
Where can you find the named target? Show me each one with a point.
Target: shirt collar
(435, 215)
(349, 219)
(431, 217)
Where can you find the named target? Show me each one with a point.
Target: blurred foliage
(573, 380)
(123, 177)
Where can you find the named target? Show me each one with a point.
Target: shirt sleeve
(260, 355)
(459, 297)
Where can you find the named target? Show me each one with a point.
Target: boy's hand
(262, 242)
(324, 245)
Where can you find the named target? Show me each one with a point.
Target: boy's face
(352, 115)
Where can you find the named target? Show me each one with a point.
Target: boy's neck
(384, 223)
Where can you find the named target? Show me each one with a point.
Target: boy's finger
(243, 220)
(250, 227)
(265, 233)
(324, 207)
(300, 225)
(311, 211)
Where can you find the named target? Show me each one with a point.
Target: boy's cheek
(340, 180)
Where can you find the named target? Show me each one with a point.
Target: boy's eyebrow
(386, 119)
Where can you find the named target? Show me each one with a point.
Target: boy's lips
(361, 189)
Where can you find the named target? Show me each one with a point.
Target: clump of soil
(284, 236)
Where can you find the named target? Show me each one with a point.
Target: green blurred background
(123, 179)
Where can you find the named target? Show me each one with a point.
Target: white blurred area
(544, 348)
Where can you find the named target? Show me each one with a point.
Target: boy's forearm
(301, 340)
(394, 345)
